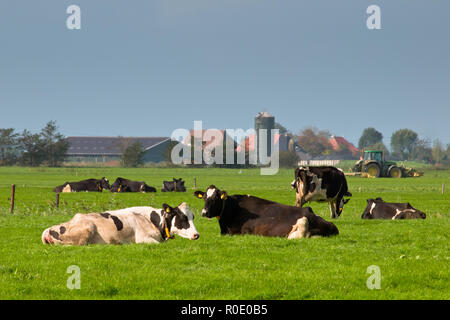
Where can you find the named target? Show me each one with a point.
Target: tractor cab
(373, 155)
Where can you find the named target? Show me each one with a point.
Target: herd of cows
(120, 185)
(236, 214)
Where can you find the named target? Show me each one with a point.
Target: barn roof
(336, 141)
(108, 146)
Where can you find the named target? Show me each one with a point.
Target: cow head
(180, 221)
(179, 185)
(341, 206)
(146, 188)
(300, 180)
(104, 183)
(214, 201)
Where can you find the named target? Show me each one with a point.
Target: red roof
(249, 142)
(206, 141)
(337, 141)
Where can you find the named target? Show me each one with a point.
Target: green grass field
(413, 255)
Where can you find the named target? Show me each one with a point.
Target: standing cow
(321, 184)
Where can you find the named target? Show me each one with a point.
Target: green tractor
(373, 165)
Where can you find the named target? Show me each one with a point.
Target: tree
(380, 146)
(55, 145)
(133, 155)
(437, 152)
(8, 146)
(288, 159)
(314, 142)
(369, 138)
(402, 143)
(421, 151)
(33, 149)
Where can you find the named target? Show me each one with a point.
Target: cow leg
(150, 235)
(300, 201)
(332, 206)
(300, 229)
(146, 239)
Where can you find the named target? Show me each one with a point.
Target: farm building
(106, 149)
(209, 142)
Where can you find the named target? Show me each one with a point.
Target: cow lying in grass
(125, 185)
(176, 185)
(245, 214)
(92, 185)
(378, 209)
(130, 225)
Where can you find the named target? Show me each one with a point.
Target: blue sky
(145, 68)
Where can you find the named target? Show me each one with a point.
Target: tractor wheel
(395, 172)
(373, 170)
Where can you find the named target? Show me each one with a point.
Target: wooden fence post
(443, 188)
(13, 194)
(195, 183)
(57, 201)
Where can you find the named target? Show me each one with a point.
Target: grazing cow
(378, 209)
(245, 214)
(130, 225)
(175, 185)
(321, 184)
(92, 185)
(125, 185)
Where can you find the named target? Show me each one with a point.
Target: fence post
(57, 201)
(195, 183)
(13, 194)
(443, 188)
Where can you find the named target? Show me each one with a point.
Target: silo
(265, 120)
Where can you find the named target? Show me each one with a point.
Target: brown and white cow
(378, 209)
(130, 225)
(245, 214)
(321, 184)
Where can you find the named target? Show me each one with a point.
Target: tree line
(405, 144)
(48, 147)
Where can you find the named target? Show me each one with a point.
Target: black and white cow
(125, 185)
(321, 184)
(378, 209)
(130, 225)
(92, 185)
(245, 214)
(176, 185)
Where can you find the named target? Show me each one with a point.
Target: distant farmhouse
(107, 149)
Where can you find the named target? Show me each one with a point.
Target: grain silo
(265, 120)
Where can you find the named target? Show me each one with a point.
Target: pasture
(413, 255)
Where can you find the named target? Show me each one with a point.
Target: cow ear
(345, 201)
(199, 194)
(223, 195)
(167, 208)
